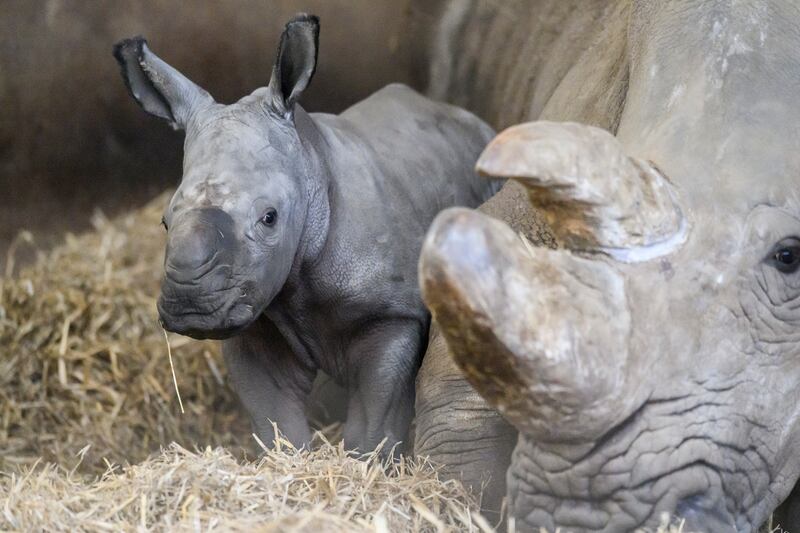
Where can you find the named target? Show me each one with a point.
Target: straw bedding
(87, 403)
(91, 435)
(83, 360)
(286, 490)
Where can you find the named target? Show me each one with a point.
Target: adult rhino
(651, 364)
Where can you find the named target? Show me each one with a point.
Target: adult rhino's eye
(164, 223)
(269, 217)
(787, 259)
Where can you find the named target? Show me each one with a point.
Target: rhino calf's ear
(296, 62)
(161, 90)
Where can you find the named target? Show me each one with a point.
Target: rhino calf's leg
(271, 383)
(384, 361)
(327, 402)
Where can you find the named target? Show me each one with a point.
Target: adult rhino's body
(653, 366)
(557, 59)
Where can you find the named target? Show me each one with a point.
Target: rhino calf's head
(249, 193)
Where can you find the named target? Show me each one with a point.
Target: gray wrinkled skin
(681, 394)
(295, 237)
(522, 59)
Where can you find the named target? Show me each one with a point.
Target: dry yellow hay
(83, 359)
(286, 490)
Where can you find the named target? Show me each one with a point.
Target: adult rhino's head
(652, 364)
(237, 220)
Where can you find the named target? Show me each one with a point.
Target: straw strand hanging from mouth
(172, 367)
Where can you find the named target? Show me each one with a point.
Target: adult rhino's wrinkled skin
(295, 237)
(652, 363)
(555, 59)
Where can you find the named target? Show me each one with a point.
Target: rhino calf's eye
(787, 259)
(269, 217)
(164, 223)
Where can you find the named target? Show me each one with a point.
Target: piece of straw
(172, 368)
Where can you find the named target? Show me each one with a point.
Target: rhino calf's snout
(200, 239)
(198, 294)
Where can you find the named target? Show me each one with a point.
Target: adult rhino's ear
(160, 89)
(296, 62)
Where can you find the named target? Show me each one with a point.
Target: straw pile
(83, 361)
(287, 490)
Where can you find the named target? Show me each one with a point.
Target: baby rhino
(294, 237)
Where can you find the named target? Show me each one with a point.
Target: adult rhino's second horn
(530, 327)
(594, 196)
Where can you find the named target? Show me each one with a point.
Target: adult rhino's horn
(529, 327)
(592, 194)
